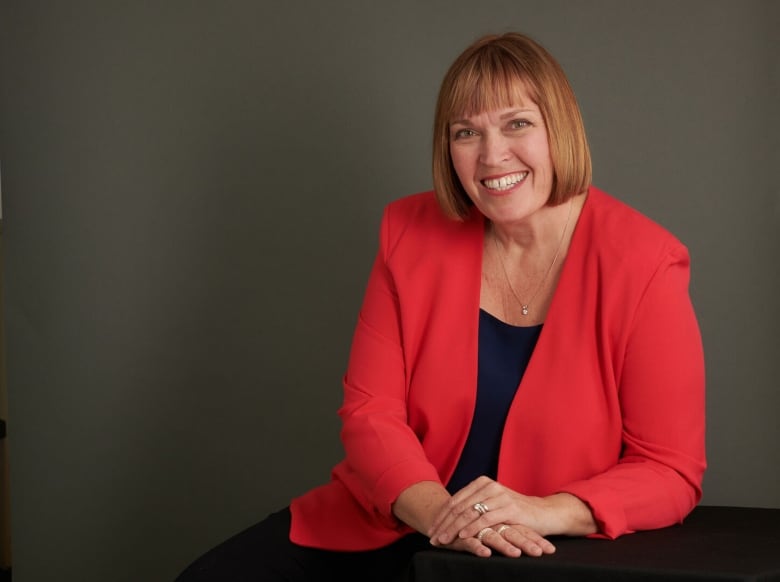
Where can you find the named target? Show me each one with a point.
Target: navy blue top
(504, 352)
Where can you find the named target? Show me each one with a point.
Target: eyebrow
(502, 117)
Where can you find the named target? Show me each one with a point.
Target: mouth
(504, 182)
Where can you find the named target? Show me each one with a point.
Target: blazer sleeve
(383, 453)
(657, 480)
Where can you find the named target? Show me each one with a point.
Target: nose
(494, 149)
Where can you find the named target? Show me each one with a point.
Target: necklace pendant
(525, 310)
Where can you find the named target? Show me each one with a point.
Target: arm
(383, 452)
(418, 505)
(657, 480)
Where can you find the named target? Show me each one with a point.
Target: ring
(483, 532)
(480, 508)
(503, 528)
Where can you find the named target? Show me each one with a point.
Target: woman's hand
(523, 520)
(420, 503)
(501, 539)
(506, 540)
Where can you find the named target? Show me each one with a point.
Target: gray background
(191, 197)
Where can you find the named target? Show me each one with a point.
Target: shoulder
(416, 209)
(618, 232)
(417, 222)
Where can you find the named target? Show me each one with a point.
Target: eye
(519, 124)
(463, 134)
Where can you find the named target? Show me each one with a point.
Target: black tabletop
(714, 543)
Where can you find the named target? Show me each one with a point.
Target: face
(502, 159)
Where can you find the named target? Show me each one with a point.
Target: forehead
(491, 94)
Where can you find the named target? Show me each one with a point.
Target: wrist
(572, 516)
(418, 505)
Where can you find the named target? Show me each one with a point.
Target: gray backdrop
(191, 197)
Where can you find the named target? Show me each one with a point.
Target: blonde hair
(488, 76)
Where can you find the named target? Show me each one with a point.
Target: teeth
(505, 181)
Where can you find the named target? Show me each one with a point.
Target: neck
(522, 262)
(545, 230)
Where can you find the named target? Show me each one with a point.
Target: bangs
(488, 82)
(500, 72)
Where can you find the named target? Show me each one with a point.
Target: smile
(505, 182)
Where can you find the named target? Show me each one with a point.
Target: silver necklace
(524, 305)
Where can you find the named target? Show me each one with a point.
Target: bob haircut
(488, 75)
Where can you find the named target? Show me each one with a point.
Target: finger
(474, 518)
(439, 519)
(528, 541)
(461, 513)
(473, 493)
(453, 523)
(441, 516)
(500, 510)
(471, 545)
(451, 511)
(460, 502)
(446, 516)
(492, 539)
(493, 518)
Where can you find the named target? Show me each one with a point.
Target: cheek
(462, 163)
(544, 155)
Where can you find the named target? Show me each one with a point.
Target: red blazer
(610, 409)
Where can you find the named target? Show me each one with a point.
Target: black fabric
(264, 552)
(714, 543)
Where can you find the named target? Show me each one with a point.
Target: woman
(454, 434)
